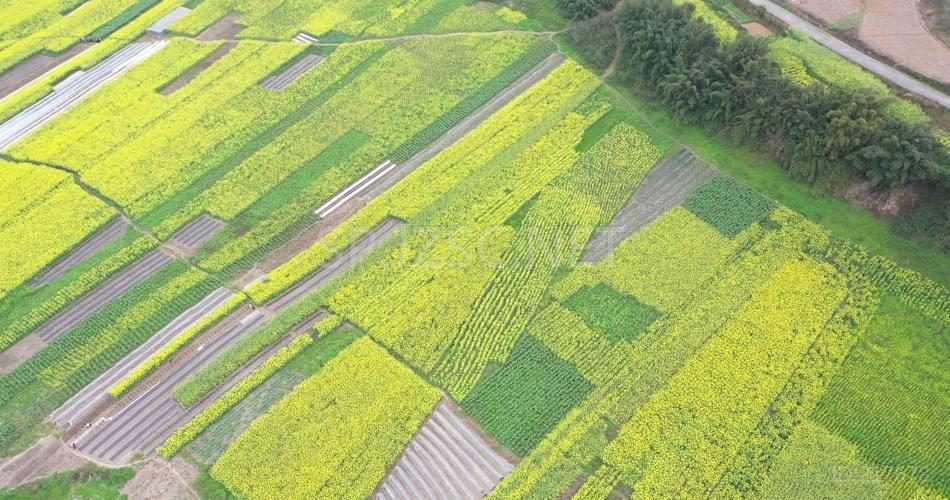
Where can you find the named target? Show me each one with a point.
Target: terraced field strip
(445, 459)
(74, 89)
(334, 214)
(171, 18)
(150, 418)
(112, 232)
(665, 187)
(97, 392)
(374, 238)
(197, 232)
(292, 74)
(105, 294)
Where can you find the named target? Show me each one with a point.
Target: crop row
(76, 288)
(28, 378)
(708, 408)
(167, 296)
(659, 264)
(612, 168)
(800, 396)
(53, 208)
(178, 343)
(196, 387)
(410, 299)
(594, 356)
(527, 396)
(531, 57)
(868, 402)
(426, 184)
(43, 85)
(580, 438)
(111, 325)
(433, 75)
(273, 217)
(335, 435)
(728, 206)
(46, 30)
(209, 415)
(128, 123)
(554, 226)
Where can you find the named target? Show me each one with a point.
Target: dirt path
(160, 479)
(886, 72)
(48, 456)
(612, 67)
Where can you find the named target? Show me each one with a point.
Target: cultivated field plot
(446, 459)
(410, 249)
(665, 187)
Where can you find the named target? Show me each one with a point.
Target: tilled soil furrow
(97, 391)
(164, 389)
(668, 185)
(100, 240)
(104, 295)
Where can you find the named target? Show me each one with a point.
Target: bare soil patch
(829, 11)
(574, 487)
(225, 29)
(34, 67)
(757, 30)
(895, 29)
(45, 458)
(887, 204)
(160, 479)
(197, 69)
(20, 352)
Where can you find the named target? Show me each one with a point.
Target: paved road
(860, 58)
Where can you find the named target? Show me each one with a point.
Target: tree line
(583, 9)
(818, 133)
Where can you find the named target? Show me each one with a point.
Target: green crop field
(409, 249)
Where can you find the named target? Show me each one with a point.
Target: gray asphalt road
(860, 58)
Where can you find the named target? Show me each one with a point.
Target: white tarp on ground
(74, 89)
(169, 20)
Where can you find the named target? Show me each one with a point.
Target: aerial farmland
(456, 249)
